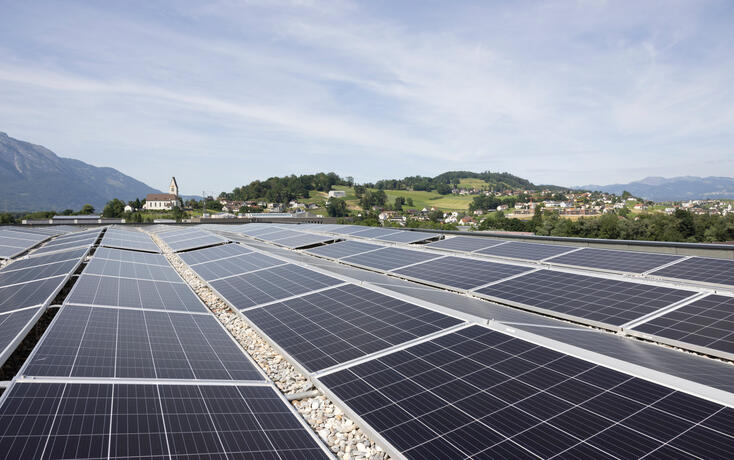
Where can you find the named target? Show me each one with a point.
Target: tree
(178, 214)
(443, 189)
(435, 216)
(410, 202)
(337, 208)
(399, 202)
(114, 208)
(87, 209)
(67, 212)
(7, 218)
(359, 190)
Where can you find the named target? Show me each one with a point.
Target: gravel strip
(345, 439)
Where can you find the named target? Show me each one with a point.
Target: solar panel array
(478, 393)
(337, 325)
(129, 239)
(190, 238)
(465, 243)
(588, 299)
(83, 239)
(127, 420)
(15, 241)
(525, 251)
(131, 318)
(343, 249)
(389, 258)
(701, 269)
(621, 261)
(706, 325)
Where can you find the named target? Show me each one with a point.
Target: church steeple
(173, 188)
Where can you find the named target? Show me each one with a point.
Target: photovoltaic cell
(464, 243)
(622, 261)
(587, 299)
(214, 253)
(706, 323)
(60, 247)
(716, 271)
(303, 240)
(348, 229)
(199, 242)
(526, 251)
(482, 394)
(109, 342)
(29, 294)
(134, 293)
(389, 258)
(123, 241)
(90, 420)
(244, 263)
(374, 232)
(73, 254)
(131, 270)
(405, 236)
(342, 249)
(276, 283)
(131, 256)
(461, 273)
(334, 326)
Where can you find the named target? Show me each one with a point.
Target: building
(337, 194)
(163, 201)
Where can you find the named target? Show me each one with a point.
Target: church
(163, 201)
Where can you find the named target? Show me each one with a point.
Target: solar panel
(586, 299)
(342, 249)
(121, 343)
(38, 272)
(13, 326)
(482, 394)
(128, 240)
(464, 243)
(61, 247)
(214, 253)
(131, 270)
(29, 294)
(714, 271)
(200, 242)
(237, 265)
(131, 256)
(705, 325)
(526, 251)
(621, 261)
(405, 236)
(303, 240)
(134, 293)
(331, 327)
(243, 291)
(47, 259)
(374, 232)
(94, 420)
(461, 273)
(389, 258)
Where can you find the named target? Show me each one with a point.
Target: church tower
(173, 188)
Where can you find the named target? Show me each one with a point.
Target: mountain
(673, 189)
(33, 178)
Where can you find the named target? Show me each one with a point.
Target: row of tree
(682, 226)
(285, 189)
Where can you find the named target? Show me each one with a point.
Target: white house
(163, 201)
(128, 208)
(337, 193)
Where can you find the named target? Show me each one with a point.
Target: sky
(225, 92)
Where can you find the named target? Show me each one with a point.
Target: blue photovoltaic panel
(126, 421)
(334, 326)
(477, 393)
(389, 258)
(134, 293)
(279, 235)
(129, 240)
(622, 261)
(706, 323)
(526, 251)
(36, 273)
(199, 242)
(342, 249)
(47, 259)
(587, 299)
(214, 253)
(29, 294)
(464, 243)
(461, 273)
(715, 271)
(238, 265)
(374, 232)
(61, 247)
(131, 256)
(121, 343)
(131, 270)
(348, 229)
(405, 236)
(11, 326)
(303, 240)
(275, 283)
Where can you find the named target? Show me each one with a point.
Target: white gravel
(345, 439)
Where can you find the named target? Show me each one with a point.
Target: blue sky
(219, 94)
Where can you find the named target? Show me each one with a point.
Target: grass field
(420, 199)
(472, 183)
